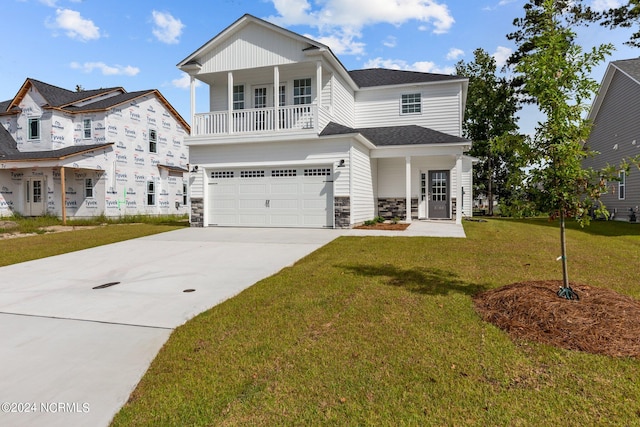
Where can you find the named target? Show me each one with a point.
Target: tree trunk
(563, 245)
(490, 185)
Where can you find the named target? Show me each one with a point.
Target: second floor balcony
(256, 120)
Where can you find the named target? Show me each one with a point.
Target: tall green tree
(555, 74)
(490, 114)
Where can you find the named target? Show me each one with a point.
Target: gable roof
(396, 135)
(384, 77)
(628, 67)
(8, 145)
(89, 100)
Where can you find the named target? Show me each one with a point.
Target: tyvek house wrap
(120, 173)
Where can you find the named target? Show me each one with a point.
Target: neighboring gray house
(89, 153)
(293, 139)
(615, 135)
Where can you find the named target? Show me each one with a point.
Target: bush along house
(293, 139)
(91, 152)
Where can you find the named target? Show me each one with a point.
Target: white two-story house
(293, 139)
(86, 153)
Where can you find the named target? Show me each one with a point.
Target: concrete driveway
(72, 354)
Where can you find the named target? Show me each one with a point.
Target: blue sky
(136, 44)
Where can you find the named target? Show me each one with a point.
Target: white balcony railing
(256, 120)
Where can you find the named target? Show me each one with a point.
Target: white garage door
(271, 197)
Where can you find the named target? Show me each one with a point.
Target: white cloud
(50, 3)
(454, 53)
(183, 82)
(342, 21)
(107, 70)
(501, 55)
(166, 28)
(341, 44)
(75, 26)
(399, 64)
(390, 41)
(600, 5)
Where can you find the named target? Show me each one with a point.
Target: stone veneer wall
(394, 207)
(197, 212)
(342, 212)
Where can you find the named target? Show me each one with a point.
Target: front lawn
(382, 331)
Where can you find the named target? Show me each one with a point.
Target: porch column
(230, 102)
(192, 89)
(318, 92)
(459, 189)
(407, 161)
(62, 196)
(276, 98)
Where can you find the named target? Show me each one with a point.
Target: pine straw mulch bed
(399, 226)
(602, 321)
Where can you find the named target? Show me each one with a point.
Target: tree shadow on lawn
(426, 281)
(596, 227)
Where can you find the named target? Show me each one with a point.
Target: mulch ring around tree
(602, 321)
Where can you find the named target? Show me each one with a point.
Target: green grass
(42, 245)
(381, 331)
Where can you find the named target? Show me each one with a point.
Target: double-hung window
(86, 128)
(34, 128)
(153, 141)
(238, 97)
(622, 184)
(151, 193)
(301, 91)
(88, 187)
(411, 103)
(184, 194)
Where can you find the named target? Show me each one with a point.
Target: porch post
(408, 188)
(318, 92)
(276, 98)
(230, 102)
(62, 196)
(192, 89)
(459, 202)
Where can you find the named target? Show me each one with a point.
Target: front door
(439, 195)
(34, 196)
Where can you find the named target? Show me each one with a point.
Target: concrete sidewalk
(71, 354)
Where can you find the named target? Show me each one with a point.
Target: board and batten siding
(616, 135)
(253, 47)
(440, 108)
(362, 196)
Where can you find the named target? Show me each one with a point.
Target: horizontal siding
(362, 196)
(440, 108)
(196, 185)
(343, 103)
(616, 135)
(391, 174)
(294, 151)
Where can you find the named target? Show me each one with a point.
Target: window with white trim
(151, 193)
(34, 128)
(238, 97)
(88, 187)
(153, 141)
(301, 91)
(282, 95)
(622, 184)
(86, 128)
(411, 103)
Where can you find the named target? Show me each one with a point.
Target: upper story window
(238, 97)
(282, 98)
(86, 128)
(88, 187)
(411, 103)
(622, 184)
(153, 141)
(301, 91)
(34, 128)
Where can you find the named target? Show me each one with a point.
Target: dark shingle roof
(107, 103)
(383, 77)
(51, 154)
(8, 145)
(630, 66)
(395, 135)
(57, 96)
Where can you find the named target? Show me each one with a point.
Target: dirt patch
(384, 226)
(602, 321)
(50, 229)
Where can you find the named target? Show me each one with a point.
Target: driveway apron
(72, 354)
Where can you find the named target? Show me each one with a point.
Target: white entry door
(271, 197)
(35, 197)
